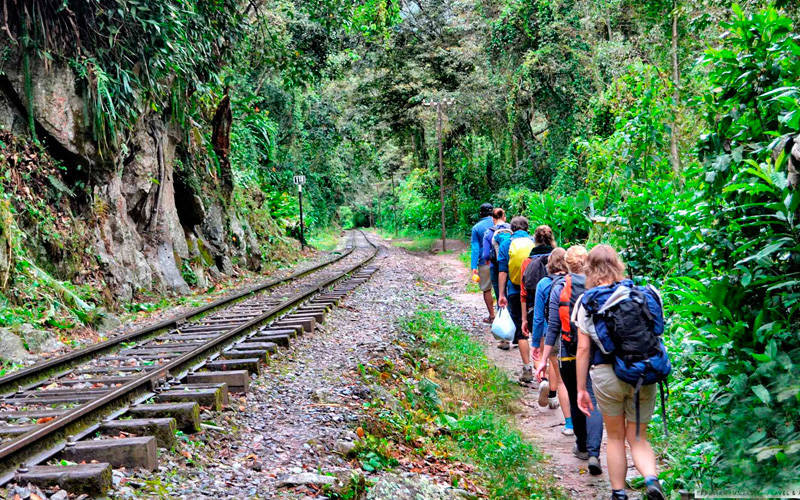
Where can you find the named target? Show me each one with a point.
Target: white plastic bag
(503, 326)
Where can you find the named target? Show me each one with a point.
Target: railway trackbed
(114, 403)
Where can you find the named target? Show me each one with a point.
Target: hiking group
(593, 336)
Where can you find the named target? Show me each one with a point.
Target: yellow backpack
(518, 251)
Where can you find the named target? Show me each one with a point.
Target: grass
(326, 239)
(413, 241)
(445, 399)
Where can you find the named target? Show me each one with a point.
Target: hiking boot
(552, 402)
(527, 375)
(544, 390)
(504, 345)
(581, 455)
(654, 491)
(568, 431)
(594, 466)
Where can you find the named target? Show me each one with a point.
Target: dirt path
(540, 425)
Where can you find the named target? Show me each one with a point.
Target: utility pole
(300, 180)
(394, 209)
(439, 105)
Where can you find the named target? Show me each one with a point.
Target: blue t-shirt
(477, 238)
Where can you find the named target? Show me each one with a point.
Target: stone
(59, 495)
(411, 487)
(305, 478)
(38, 341)
(344, 447)
(11, 347)
(108, 321)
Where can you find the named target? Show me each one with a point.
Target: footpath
(540, 425)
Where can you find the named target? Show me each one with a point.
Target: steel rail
(10, 452)
(10, 383)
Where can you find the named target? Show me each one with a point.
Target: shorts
(515, 309)
(615, 397)
(486, 278)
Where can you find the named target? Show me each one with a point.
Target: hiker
(481, 269)
(492, 238)
(533, 269)
(512, 253)
(626, 409)
(562, 336)
(556, 267)
(500, 235)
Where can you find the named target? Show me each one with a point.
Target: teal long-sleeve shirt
(477, 238)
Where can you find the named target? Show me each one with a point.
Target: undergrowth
(446, 409)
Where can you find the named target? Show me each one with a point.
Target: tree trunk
(676, 82)
(221, 141)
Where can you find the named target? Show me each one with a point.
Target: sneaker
(544, 390)
(582, 455)
(504, 345)
(568, 431)
(623, 496)
(654, 491)
(594, 466)
(552, 402)
(527, 375)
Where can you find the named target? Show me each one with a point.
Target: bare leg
(487, 297)
(525, 351)
(558, 385)
(615, 451)
(643, 457)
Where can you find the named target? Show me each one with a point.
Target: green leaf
(762, 393)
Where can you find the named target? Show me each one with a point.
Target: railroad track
(149, 383)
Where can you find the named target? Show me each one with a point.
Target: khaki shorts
(486, 278)
(615, 397)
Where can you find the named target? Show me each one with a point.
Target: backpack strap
(636, 391)
(563, 305)
(661, 386)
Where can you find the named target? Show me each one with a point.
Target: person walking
(491, 243)
(548, 396)
(481, 269)
(552, 391)
(533, 268)
(512, 252)
(625, 420)
(562, 335)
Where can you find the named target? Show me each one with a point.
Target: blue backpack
(628, 324)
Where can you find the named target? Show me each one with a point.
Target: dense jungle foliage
(663, 127)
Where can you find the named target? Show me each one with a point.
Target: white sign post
(299, 180)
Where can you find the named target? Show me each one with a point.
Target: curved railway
(153, 381)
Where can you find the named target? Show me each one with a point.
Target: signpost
(299, 180)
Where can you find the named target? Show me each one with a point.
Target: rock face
(38, 341)
(11, 347)
(149, 226)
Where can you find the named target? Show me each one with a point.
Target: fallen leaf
(360, 432)
(44, 420)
